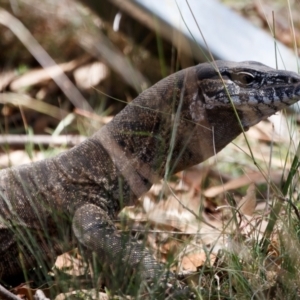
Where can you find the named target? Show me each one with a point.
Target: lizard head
(256, 90)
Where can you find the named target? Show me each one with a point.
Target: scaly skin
(177, 123)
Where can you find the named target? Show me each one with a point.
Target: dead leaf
(193, 261)
(90, 75)
(24, 291)
(248, 203)
(70, 264)
(272, 131)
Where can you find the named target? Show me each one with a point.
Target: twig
(34, 104)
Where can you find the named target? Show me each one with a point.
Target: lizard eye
(243, 78)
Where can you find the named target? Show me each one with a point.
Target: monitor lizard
(48, 206)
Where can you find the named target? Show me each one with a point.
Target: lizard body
(177, 123)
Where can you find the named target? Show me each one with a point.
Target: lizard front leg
(119, 254)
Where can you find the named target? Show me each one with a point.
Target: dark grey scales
(77, 194)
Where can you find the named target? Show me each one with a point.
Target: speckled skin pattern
(48, 206)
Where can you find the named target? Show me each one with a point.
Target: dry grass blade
(28, 102)
(38, 76)
(255, 177)
(6, 76)
(102, 48)
(24, 35)
(93, 116)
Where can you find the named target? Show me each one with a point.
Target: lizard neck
(155, 135)
(166, 130)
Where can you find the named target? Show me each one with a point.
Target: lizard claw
(169, 287)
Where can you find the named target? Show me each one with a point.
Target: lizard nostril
(294, 80)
